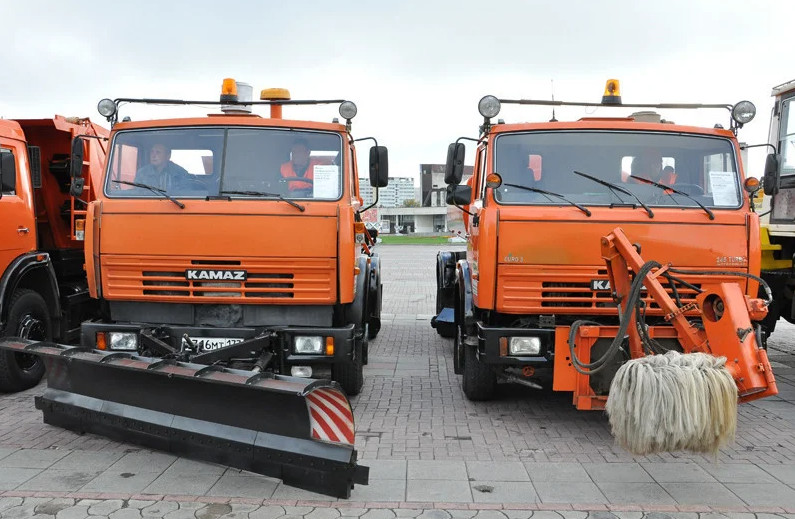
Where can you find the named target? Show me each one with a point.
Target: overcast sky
(416, 69)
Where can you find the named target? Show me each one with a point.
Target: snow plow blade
(299, 430)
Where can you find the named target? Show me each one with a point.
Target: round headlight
(743, 112)
(347, 110)
(489, 106)
(106, 108)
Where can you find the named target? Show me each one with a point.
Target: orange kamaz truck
(237, 288)
(541, 297)
(43, 287)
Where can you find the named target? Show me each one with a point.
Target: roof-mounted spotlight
(743, 112)
(107, 108)
(348, 110)
(489, 106)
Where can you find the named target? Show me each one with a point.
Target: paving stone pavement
(431, 453)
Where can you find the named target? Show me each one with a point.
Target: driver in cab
(649, 165)
(298, 172)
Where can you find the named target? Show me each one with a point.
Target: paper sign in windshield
(326, 181)
(724, 188)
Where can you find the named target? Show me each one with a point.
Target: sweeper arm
(726, 315)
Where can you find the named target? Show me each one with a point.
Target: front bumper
(168, 340)
(490, 351)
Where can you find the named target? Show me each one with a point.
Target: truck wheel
(458, 352)
(479, 381)
(28, 318)
(446, 330)
(350, 375)
(373, 327)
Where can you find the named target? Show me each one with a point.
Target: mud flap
(299, 430)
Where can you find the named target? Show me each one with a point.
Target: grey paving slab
(432, 469)
(677, 472)
(713, 494)
(635, 493)
(292, 493)
(114, 481)
(783, 473)
(181, 483)
(391, 490)
(497, 471)
(503, 492)
(32, 458)
(737, 473)
(617, 473)
(568, 492)
(187, 466)
(445, 491)
(144, 461)
(260, 487)
(12, 477)
(88, 461)
(105, 508)
(58, 480)
(6, 451)
(386, 469)
(160, 509)
(553, 471)
(764, 494)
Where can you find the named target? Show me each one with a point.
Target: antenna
(552, 88)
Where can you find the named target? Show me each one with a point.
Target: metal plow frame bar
(263, 423)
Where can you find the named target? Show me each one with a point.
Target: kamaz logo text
(235, 275)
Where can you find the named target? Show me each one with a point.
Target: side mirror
(458, 195)
(770, 177)
(76, 162)
(379, 166)
(454, 167)
(8, 172)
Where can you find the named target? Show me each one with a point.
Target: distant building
(395, 194)
(433, 215)
(432, 186)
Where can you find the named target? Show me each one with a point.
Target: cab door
(17, 216)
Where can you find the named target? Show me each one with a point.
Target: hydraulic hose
(630, 304)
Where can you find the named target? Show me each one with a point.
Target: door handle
(23, 230)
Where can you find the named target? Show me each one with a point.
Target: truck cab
(542, 196)
(228, 256)
(778, 210)
(43, 199)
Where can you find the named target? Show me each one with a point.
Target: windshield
(702, 169)
(228, 162)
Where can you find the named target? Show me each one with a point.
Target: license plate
(212, 343)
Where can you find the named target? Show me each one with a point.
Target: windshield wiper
(678, 192)
(269, 195)
(153, 189)
(550, 193)
(612, 186)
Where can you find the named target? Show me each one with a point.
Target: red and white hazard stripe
(330, 416)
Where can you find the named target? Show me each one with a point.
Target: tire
(446, 330)
(479, 381)
(28, 318)
(350, 375)
(373, 327)
(458, 352)
(374, 324)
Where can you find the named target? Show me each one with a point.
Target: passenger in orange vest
(648, 165)
(300, 167)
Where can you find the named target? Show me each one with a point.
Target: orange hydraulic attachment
(726, 315)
